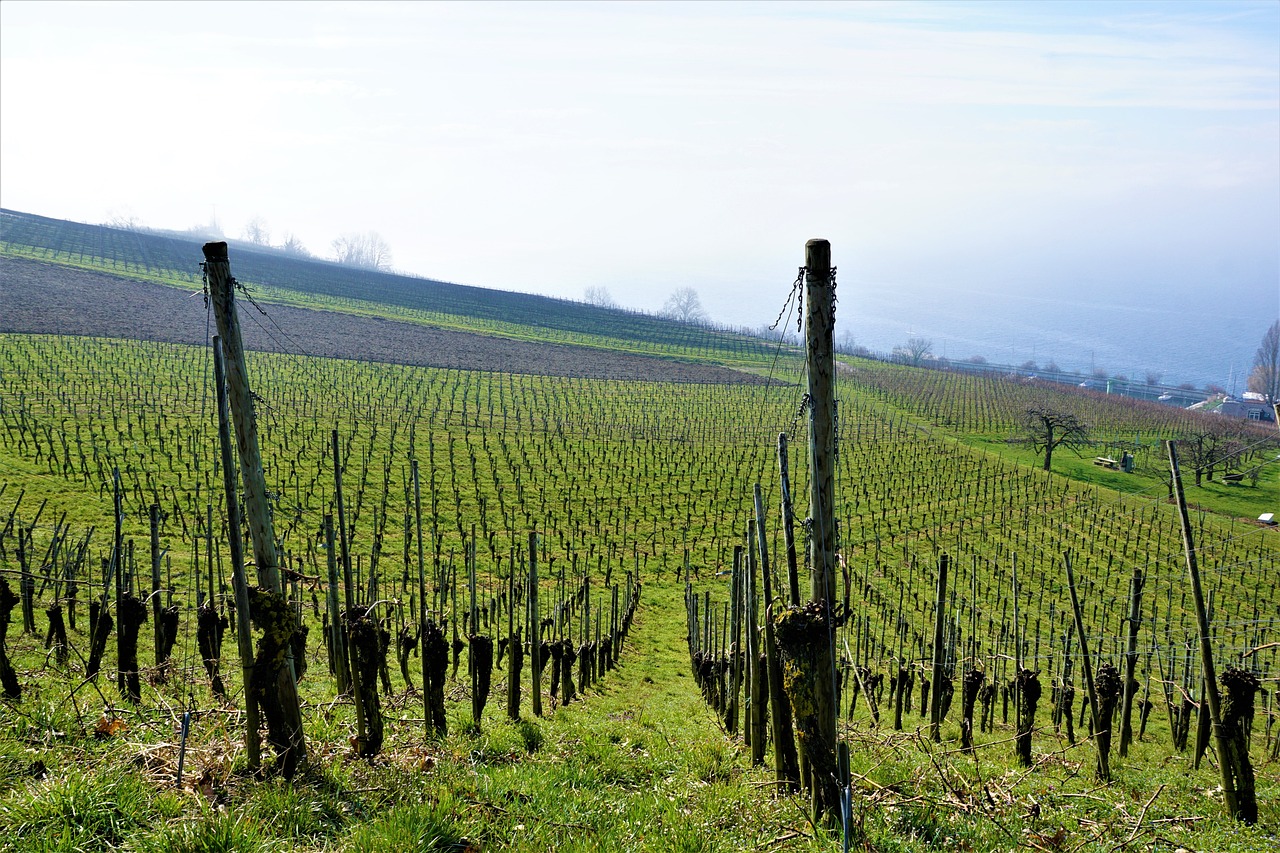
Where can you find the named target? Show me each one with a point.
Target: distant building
(1252, 407)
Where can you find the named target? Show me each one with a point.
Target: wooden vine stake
(785, 763)
(244, 638)
(1104, 767)
(805, 634)
(274, 686)
(1233, 746)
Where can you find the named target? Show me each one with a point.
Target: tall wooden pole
(820, 310)
(1206, 644)
(278, 690)
(244, 635)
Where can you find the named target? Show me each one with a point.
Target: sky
(991, 151)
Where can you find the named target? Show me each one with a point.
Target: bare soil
(40, 298)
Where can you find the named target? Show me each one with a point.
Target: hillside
(277, 277)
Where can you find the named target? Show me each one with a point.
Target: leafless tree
(598, 295)
(125, 220)
(915, 351)
(1211, 448)
(366, 250)
(1048, 428)
(257, 232)
(293, 246)
(684, 306)
(1265, 378)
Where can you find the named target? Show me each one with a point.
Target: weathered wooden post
(1104, 766)
(244, 638)
(1240, 804)
(806, 634)
(274, 684)
(785, 762)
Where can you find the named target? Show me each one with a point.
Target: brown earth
(40, 298)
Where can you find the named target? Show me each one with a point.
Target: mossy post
(276, 690)
(1225, 748)
(244, 637)
(805, 635)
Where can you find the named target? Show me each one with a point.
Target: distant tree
(210, 231)
(1048, 428)
(977, 359)
(1211, 447)
(293, 246)
(1186, 386)
(1265, 378)
(684, 306)
(598, 295)
(125, 220)
(1029, 366)
(844, 342)
(1153, 378)
(1052, 367)
(915, 351)
(366, 250)
(1213, 388)
(257, 232)
(1099, 373)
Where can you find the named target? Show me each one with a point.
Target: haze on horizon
(1111, 152)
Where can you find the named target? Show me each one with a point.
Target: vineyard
(606, 529)
(277, 277)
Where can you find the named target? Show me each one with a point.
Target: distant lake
(1199, 337)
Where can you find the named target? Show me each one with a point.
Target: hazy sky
(1080, 150)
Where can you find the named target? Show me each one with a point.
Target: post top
(215, 251)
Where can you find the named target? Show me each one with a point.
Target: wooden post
(348, 585)
(820, 366)
(939, 654)
(788, 522)
(735, 642)
(422, 603)
(806, 635)
(155, 582)
(757, 683)
(277, 690)
(1206, 649)
(244, 636)
(1104, 766)
(535, 628)
(1131, 660)
(337, 633)
(785, 763)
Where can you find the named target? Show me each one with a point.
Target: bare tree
(915, 351)
(293, 246)
(1048, 429)
(598, 295)
(684, 306)
(366, 250)
(1265, 378)
(1210, 448)
(257, 232)
(1153, 377)
(125, 220)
